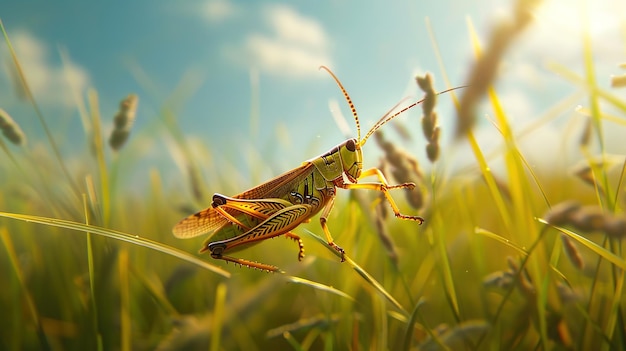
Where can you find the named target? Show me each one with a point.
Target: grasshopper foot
(339, 249)
(297, 239)
(409, 186)
(410, 218)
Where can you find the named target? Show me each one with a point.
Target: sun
(595, 17)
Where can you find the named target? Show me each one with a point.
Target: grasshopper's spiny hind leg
(297, 239)
(247, 263)
(277, 224)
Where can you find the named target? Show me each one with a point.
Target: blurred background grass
(483, 272)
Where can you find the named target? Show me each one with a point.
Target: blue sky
(220, 50)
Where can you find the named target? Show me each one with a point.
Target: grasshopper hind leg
(216, 253)
(247, 263)
(279, 223)
(297, 239)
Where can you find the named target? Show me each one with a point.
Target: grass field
(526, 259)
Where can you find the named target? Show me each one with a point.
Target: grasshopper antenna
(388, 116)
(345, 94)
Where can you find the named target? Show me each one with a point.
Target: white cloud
(293, 28)
(51, 84)
(296, 46)
(216, 11)
(281, 58)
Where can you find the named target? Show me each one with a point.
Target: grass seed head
(618, 81)
(118, 138)
(403, 167)
(427, 127)
(429, 117)
(123, 121)
(589, 219)
(432, 151)
(498, 279)
(561, 212)
(585, 173)
(615, 227)
(10, 129)
(523, 279)
(425, 83)
(485, 69)
(567, 294)
(572, 252)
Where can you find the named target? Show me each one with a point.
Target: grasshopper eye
(351, 145)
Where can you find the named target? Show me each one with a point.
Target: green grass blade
(408, 335)
(572, 76)
(92, 277)
(98, 145)
(602, 252)
(218, 316)
(30, 304)
(368, 278)
(125, 302)
(113, 234)
(319, 286)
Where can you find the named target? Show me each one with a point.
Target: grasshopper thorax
(345, 158)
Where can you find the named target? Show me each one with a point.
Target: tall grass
(512, 261)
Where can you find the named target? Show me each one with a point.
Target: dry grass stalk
(483, 73)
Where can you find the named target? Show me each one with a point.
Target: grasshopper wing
(278, 186)
(205, 221)
(209, 220)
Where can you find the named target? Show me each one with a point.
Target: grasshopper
(280, 205)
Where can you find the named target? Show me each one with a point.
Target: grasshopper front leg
(329, 238)
(384, 187)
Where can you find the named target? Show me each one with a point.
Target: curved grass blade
(609, 256)
(113, 234)
(411, 324)
(499, 239)
(319, 286)
(320, 321)
(512, 245)
(368, 278)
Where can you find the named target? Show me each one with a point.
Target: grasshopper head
(351, 159)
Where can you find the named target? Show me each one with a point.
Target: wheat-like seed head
(10, 129)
